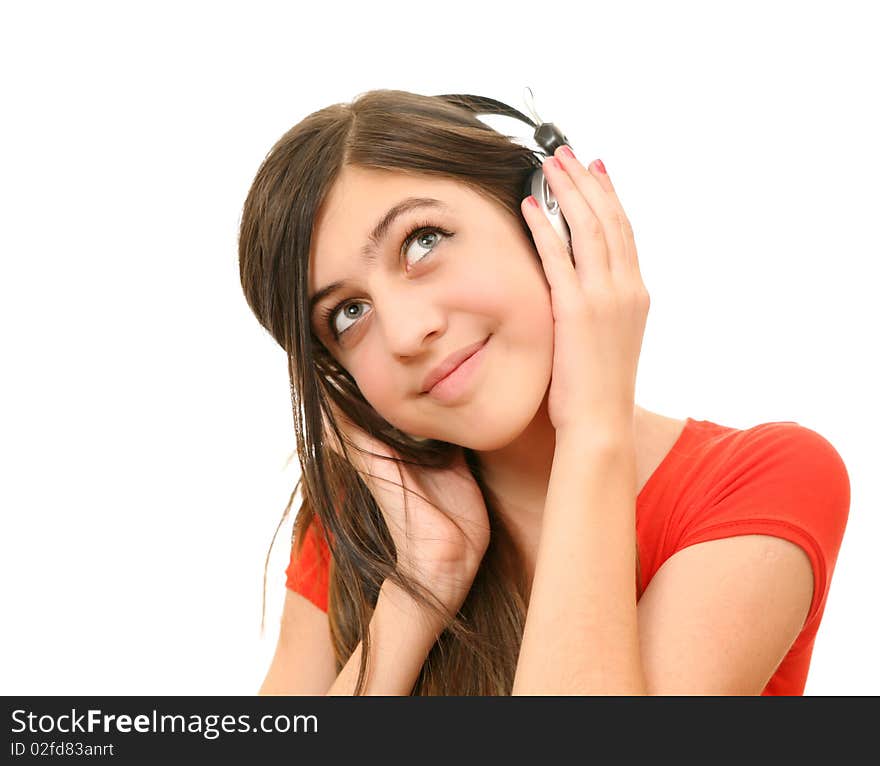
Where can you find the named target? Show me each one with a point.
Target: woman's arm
(401, 636)
(581, 632)
(304, 663)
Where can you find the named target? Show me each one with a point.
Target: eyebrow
(369, 252)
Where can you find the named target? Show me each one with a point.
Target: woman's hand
(600, 304)
(443, 532)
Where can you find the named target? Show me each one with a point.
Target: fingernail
(566, 151)
(600, 166)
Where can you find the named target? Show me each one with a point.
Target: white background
(146, 417)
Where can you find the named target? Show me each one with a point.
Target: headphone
(546, 135)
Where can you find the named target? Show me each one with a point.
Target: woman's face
(468, 273)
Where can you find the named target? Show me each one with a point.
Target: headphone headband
(546, 134)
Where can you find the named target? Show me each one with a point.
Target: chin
(507, 419)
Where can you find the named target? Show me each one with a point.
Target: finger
(328, 434)
(587, 230)
(599, 193)
(355, 441)
(558, 267)
(382, 478)
(628, 254)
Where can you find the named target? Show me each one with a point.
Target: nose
(407, 319)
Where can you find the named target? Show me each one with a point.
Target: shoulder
(789, 436)
(760, 457)
(776, 471)
(785, 459)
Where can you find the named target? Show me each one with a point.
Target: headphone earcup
(539, 188)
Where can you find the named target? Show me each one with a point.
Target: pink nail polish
(599, 165)
(566, 151)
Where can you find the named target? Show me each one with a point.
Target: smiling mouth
(452, 384)
(437, 381)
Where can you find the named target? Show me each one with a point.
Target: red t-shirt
(777, 478)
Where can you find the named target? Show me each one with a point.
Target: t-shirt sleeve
(309, 573)
(785, 480)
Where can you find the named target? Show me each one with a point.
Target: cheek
(517, 299)
(376, 388)
(525, 320)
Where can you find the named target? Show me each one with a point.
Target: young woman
(485, 509)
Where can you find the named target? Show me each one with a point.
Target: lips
(449, 364)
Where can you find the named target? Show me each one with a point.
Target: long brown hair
(399, 131)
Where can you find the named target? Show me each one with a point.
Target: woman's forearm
(581, 630)
(401, 636)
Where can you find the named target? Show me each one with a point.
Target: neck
(518, 475)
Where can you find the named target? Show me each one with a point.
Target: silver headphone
(546, 135)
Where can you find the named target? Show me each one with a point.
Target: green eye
(419, 236)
